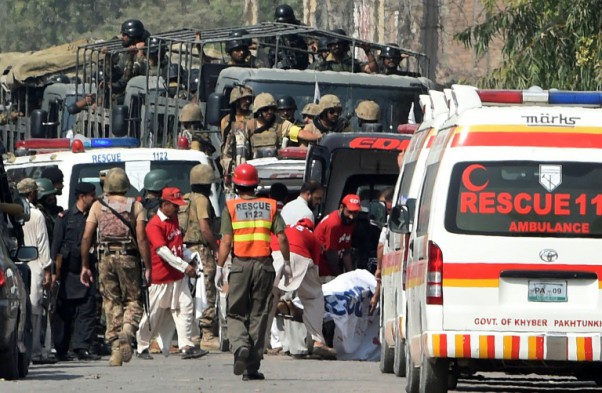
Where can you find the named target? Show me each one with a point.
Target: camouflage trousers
(120, 286)
(208, 319)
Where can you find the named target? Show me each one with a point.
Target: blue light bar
(112, 142)
(575, 97)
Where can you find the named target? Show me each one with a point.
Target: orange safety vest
(252, 226)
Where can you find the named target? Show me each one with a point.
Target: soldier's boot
(125, 341)
(209, 341)
(116, 359)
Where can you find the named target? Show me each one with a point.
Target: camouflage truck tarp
(34, 67)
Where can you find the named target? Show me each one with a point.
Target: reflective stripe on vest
(252, 225)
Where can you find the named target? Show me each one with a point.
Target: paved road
(214, 374)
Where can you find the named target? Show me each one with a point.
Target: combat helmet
(311, 109)
(391, 51)
(202, 174)
(45, 187)
(284, 14)
(368, 111)
(117, 181)
(337, 40)
(286, 102)
(191, 112)
(133, 28)
(156, 180)
(329, 101)
(238, 42)
(263, 100)
(239, 92)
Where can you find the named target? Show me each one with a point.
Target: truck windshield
(136, 170)
(395, 103)
(526, 199)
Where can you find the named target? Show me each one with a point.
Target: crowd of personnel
(141, 255)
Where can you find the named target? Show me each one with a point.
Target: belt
(120, 252)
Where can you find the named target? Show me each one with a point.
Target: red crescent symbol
(466, 178)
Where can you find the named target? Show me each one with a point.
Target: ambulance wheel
(412, 374)
(386, 354)
(399, 362)
(434, 375)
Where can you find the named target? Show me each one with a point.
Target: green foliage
(548, 43)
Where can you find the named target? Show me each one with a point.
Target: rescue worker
(368, 115)
(286, 107)
(200, 237)
(169, 293)
(327, 120)
(247, 222)
(334, 232)
(297, 57)
(339, 58)
(35, 234)
(309, 199)
(310, 110)
(75, 321)
(239, 52)
(154, 182)
(120, 247)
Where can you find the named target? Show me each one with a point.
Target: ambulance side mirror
(399, 219)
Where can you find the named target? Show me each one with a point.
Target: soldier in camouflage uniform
(340, 59)
(239, 52)
(201, 237)
(367, 112)
(154, 182)
(327, 120)
(119, 268)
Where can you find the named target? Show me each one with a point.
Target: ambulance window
(17, 174)
(406, 181)
(544, 199)
(424, 207)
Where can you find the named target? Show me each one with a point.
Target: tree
(548, 43)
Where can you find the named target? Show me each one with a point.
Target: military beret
(53, 173)
(26, 185)
(84, 188)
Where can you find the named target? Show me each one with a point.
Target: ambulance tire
(434, 375)
(412, 374)
(386, 352)
(399, 362)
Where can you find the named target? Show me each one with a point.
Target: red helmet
(245, 175)
(183, 143)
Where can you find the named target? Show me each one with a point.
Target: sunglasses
(333, 111)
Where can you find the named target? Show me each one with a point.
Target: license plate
(547, 291)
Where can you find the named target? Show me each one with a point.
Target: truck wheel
(386, 355)
(399, 363)
(434, 375)
(9, 366)
(412, 374)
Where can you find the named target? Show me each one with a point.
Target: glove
(219, 278)
(287, 271)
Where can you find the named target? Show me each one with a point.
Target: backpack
(110, 228)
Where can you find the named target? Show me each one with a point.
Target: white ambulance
(85, 164)
(392, 294)
(504, 268)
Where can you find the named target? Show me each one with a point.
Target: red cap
(173, 195)
(352, 202)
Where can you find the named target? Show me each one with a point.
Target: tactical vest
(193, 231)
(252, 226)
(265, 143)
(110, 228)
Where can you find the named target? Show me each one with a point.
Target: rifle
(144, 283)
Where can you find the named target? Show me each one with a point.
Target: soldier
(368, 112)
(154, 182)
(35, 234)
(200, 237)
(75, 321)
(55, 175)
(119, 269)
(310, 110)
(239, 52)
(286, 107)
(247, 223)
(322, 53)
(288, 58)
(340, 59)
(328, 120)
(390, 59)
(157, 59)
(241, 98)
(191, 121)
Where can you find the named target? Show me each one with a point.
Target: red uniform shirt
(334, 236)
(164, 233)
(301, 241)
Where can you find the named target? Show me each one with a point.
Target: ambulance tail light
(434, 275)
